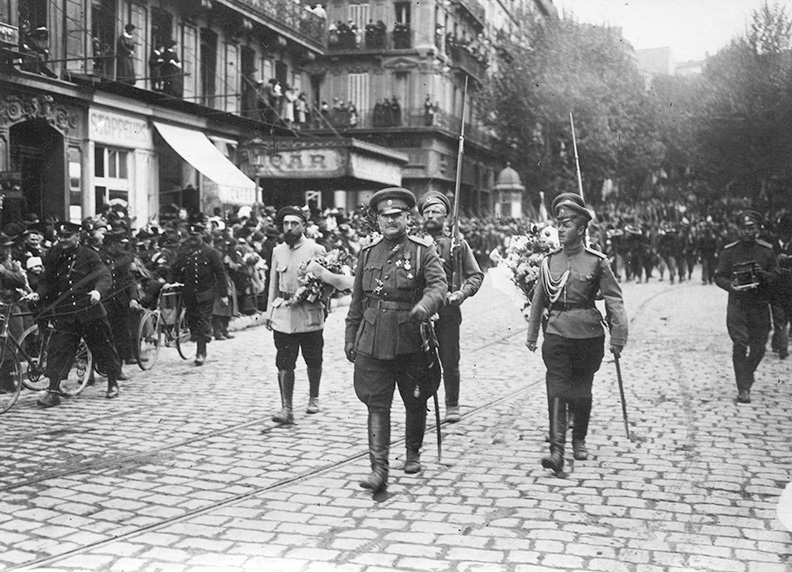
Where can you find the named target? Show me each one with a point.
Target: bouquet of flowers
(521, 265)
(311, 287)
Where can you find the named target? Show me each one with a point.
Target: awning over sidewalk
(196, 148)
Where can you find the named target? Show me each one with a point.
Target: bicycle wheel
(149, 340)
(181, 332)
(10, 377)
(76, 378)
(34, 360)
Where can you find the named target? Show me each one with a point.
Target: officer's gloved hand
(419, 314)
(349, 350)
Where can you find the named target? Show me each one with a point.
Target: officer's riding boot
(200, 353)
(112, 386)
(379, 447)
(52, 397)
(582, 410)
(414, 430)
(558, 428)
(314, 377)
(286, 383)
(741, 373)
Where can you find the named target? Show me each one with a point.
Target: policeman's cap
(6, 240)
(570, 205)
(392, 200)
(290, 211)
(196, 228)
(66, 229)
(434, 198)
(749, 218)
(116, 236)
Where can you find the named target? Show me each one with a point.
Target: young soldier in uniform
(73, 283)
(299, 325)
(574, 339)
(399, 283)
(464, 279)
(748, 309)
(199, 267)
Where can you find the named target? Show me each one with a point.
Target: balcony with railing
(375, 38)
(471, 63)
(473, 8)
(390, 115)
(297, 19)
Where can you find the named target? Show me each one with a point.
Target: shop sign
(302, 164)
(375, 170)
(9, 35)
(120, 130)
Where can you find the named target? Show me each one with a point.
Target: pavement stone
(186, 471)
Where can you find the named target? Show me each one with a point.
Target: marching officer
(200, 268)
(746, 271)
(464, 279)
(574, 339)
(398, 285)
(295, 325)
(73, 285)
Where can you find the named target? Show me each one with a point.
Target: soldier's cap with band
(392, 200)
(570, 205)
(290, 211)
(434, 198)
(748, 218)
(65, 228)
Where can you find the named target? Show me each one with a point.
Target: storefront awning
(196, 148)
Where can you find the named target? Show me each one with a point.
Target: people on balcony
(172, 76)
(319, 10)
(401, 36)
(429, 111)
(125, 56)
(34, 45)
(477, 48)
(387, 113)
(343, 36)
(100, 51)
(156, 61)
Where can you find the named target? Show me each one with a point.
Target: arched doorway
(37, 153)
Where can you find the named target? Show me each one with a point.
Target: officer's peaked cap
(434, 198)
(66, 228)
(392, 200)
(570, 205)
(749, 218)
(196, 228)
(290, 211)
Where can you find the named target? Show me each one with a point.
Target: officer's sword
(437, 427)
(621, 394)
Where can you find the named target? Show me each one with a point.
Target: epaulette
(730, 245)
(423, 241)
(765, 244)
(595, 252)
(374, 241)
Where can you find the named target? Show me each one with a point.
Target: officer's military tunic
(574, 336)
(122, 292)
(201, 271)
(392, 277)
(64, 288)
(748, 311)
(447, 327)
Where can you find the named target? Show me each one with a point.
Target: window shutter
(75, 37)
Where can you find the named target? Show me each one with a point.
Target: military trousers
(65, 339)
(288, 347)
(199, 318)
(447, 332)
(749, 328)
(571, 364)
(376, 380)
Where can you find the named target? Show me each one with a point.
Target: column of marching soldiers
(41, 268)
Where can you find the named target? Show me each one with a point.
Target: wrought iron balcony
(467, 62)
(303, 23)
(474, 9)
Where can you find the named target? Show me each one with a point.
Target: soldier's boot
(582, 413)
(558, 429)
(200, 353)
(52, 397)
(314, 377)
(379, 448)
(286, 384)
(415, 427)
(112, 385)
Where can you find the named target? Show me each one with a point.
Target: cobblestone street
(185, 472)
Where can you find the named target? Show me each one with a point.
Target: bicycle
(168, 323)
(23, 362)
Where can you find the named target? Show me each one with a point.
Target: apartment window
(403, 12)
(189, 57)
(111, 175)
(359, 15)
(231, 86)
(358, 90)
(208, 67)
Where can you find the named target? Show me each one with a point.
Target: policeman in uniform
(574, 338)
(73, 284)
(399, 283)
(200, 268)
(124, 294)
(299, 325)
(464, 279)
(748, 309)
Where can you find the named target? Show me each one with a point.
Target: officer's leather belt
(284, 295)
(380, 304)
(561, 306)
